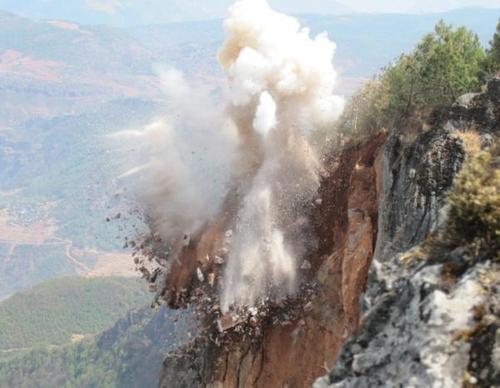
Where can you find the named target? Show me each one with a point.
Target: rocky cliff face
(377, 201)
(297, 344)
(421, 327)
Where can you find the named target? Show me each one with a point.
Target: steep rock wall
(381, 197)
(294, 354)
(425, 325)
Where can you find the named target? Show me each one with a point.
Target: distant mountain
(365, 42)
(128, 13)
(53, 68)
(59, 311)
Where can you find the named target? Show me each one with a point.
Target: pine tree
(494, 50)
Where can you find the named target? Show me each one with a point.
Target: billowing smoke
(180, 163)
(280, 85)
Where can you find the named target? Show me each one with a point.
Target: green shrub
(443, 66)
(474, 206)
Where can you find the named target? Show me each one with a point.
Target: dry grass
(471, 140)
(414, 255)
(474, 209)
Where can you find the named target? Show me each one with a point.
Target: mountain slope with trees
(54, 312)
(127, 355)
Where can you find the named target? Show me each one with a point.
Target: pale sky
(134, 12)
(320, 6)
(416, 6)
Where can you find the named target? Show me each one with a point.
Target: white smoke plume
(180, 163)
(281, 84)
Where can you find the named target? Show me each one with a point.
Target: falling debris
(229, 321)
(219, 260)
(211, 279)
(200, 275)
(243, 251)
(306, 265)
(308, 307)
(254, 322)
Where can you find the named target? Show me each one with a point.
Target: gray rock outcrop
(422, 328)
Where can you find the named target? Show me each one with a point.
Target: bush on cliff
(474, 208)
(444, 65)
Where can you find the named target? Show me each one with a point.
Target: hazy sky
(325, 5)
(417, 6)
(133, 12)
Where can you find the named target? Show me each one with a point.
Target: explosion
(257, 170)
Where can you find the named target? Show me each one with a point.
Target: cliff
(295, 350)
(377, 201)
(433, 320)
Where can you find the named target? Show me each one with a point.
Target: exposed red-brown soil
(15, 63)
(345, 221)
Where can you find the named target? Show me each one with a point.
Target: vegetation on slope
(444, 65)
(130, 354)
(415, 93)
(52, 312)
(419, 86)
(473, 223)
(475, 202)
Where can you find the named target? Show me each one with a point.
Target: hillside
(128, 355)
(59, 311)
(63, 87)
(57, 185)
(431, 307)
